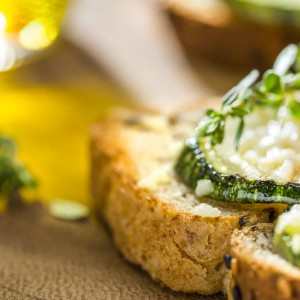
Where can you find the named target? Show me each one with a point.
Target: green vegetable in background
(13, 173)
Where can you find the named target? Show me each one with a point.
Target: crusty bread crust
(258, 273)
(178, 249)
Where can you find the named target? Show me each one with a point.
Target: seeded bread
(257, 273)
(156, 221)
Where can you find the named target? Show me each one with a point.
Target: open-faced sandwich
(173, 195)
(264, 263)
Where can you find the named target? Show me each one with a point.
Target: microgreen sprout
(277, 87)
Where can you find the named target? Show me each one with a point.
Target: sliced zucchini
(249, 150)
(194, 166)
(287, 235)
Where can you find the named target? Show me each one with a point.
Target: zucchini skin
(192, 166)
(282, 246)
(285, 231)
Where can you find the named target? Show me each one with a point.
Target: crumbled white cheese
(284, 173)
(289, 218)
(267, 141)
(250, 171)
(251, 157)
(205, 210)
(204, 187)
(274, 128)
(174, 148)
(265, 152)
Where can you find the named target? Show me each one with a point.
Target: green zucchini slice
(193, 166)
(249, 150)
(287, 235)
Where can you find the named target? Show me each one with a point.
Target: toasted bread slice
(156, 221)
(256, 271)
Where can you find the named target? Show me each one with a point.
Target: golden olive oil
(51, 128)
(34, 24)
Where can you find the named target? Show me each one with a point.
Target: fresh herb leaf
(233, 105)
(292, 81)
(249, 80)
(212, 113)
(276, 88)
(208, 128)
(297, 63)
(294, 106)
(230, 96)
(239, 133)
(218, 135)
(13, 174)
(239, 111)
(286, 59)
(272, 83)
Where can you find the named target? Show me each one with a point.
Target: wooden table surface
(48, 107)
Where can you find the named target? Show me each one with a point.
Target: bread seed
(254, 228)
(272, 215)
(227, 260)
(236, 292)
(243, 221)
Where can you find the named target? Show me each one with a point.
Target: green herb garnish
(278, 87)
(13, 174)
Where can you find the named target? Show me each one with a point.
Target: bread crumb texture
(156, 221)
(260, 273)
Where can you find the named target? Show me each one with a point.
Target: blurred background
(65, 64)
